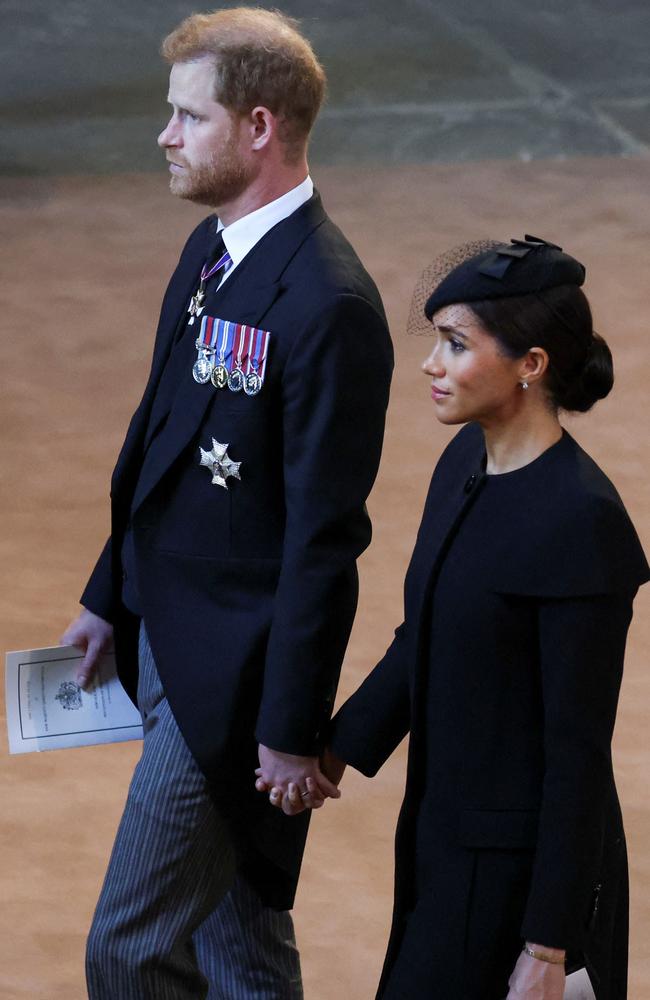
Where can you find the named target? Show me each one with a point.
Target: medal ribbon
(213, 330)
(257, 351)
(195, 307)
(239, 340)
(235, 345)
(207, 272)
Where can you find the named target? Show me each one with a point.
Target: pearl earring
(524, 385)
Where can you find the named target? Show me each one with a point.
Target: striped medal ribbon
(195, 307)
(231, 355)
(206, 349)
(256, 364)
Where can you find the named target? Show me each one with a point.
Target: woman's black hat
(521, 267)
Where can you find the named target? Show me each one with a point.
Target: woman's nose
(432, 365)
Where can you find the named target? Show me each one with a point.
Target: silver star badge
(220, 464)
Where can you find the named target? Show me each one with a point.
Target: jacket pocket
(508, 829)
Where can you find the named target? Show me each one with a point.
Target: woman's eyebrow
(451, 329)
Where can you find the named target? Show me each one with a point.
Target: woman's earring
(524, 385)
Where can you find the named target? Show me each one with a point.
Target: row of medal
(231, 355)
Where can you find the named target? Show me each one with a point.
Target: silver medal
(252, 384)
(220, 464)
(219, 376)
(236, 380)
(201, 370)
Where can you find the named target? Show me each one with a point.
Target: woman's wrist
(554, 956)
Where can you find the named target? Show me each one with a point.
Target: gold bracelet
(542, 958)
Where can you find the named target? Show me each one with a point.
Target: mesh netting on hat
(434, 274)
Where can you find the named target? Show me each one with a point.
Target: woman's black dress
(506, 670)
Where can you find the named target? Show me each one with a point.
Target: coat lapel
(246, 297)
(173, 314)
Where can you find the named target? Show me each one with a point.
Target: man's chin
(179, 186)
(181, 189)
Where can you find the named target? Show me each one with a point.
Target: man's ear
(262, 126)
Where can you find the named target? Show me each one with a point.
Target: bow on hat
(502, 257)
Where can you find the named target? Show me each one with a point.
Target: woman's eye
(456, 345)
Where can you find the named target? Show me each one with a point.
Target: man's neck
(263, 190)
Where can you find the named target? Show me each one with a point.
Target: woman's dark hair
(559, 320)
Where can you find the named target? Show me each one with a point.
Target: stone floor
(84, 263)
(82, 88)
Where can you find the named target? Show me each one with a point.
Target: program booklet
(47, 710)
(578, 986)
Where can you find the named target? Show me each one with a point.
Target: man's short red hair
(260, 59)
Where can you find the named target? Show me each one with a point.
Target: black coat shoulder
(561, 528)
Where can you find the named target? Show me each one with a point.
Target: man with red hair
(229, 583)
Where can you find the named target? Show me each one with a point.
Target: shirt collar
(241, 236)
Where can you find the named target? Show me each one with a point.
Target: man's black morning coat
(248, 593)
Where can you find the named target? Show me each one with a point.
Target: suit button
(471, 483)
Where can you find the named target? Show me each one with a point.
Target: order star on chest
(220, 464)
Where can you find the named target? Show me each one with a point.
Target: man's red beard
(215, 183)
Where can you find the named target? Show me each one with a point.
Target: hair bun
(594, 380)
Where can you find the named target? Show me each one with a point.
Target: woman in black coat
(510, 853)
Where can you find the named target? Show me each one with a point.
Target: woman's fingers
(325, 787)
(312, 796)
(292, 804)
(294, 800)
(275, 797)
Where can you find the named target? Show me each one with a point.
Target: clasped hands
(296, 783)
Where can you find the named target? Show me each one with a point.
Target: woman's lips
(438, 393)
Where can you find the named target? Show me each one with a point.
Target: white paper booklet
(578, 986)
(47, 710)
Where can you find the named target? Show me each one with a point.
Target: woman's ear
(533, 365)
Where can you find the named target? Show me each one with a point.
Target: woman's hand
(321, 784)
(293, 783)
(332, 766)
(533, 979)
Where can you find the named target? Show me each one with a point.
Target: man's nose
(169, 135)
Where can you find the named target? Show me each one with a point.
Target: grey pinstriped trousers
(174, 921)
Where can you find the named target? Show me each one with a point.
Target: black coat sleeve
(376, 718)
(335, 385)
(98, 595)
(581, 646)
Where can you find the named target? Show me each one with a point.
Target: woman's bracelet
(542, 958)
